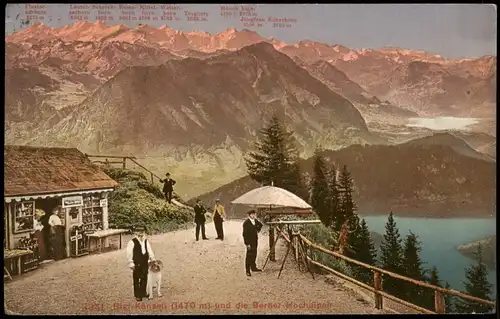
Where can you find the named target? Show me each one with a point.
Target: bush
(137, 202)
(326, 237)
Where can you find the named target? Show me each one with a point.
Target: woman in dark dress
(46, 234)
(38, 234)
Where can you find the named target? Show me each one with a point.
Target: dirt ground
(205, 277)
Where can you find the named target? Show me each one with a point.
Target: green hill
(136, 201)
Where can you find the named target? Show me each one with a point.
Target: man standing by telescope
(199, 219)
(251, 228)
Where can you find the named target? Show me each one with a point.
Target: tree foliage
(412, 267)
(365, 252)
(476, 285)
(391, 257)
(320, 197)
(274, 159)
(433, 279)
(347, 207)
(334, 196)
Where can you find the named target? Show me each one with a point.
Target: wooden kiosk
(60, 181)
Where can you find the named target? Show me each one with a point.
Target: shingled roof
(37, 170)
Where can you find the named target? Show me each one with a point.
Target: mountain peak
(228, 31)
(260, 47)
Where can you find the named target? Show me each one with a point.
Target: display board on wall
(72, 201)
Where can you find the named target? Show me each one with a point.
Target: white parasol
(271, 196)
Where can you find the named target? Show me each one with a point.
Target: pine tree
(319, 190)
(353, 236)
(476, 285)
(412, 267)
(334, 197)
(391, 257)
(275, 158)
(433, 279)
(348, 212)
(449, 300)
(365, 252)
(347, 207)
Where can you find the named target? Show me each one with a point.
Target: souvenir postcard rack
(92, 214)
(79, 241)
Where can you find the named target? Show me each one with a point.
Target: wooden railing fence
(123, 162)
(304, 246)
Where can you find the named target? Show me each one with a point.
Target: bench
(100, 236)
(16, 255)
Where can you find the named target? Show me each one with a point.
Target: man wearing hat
(199, 219)
(139, 253)
(219, 216)
(251, 228)
(168, 187)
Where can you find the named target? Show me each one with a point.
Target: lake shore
(482, 217)
(440, 238)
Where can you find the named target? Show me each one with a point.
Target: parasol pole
(272, 255)
(272, 244)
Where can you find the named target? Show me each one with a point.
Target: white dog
(154, 277)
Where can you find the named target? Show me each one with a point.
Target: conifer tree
(347, 207)
(449, 300)
(319, 190)
(334, 197)
(391, 257)
(433, 279)
(347, 212)
(353, 236)
(365, 252)
(412, 267)
(275, 158)
(476, 285)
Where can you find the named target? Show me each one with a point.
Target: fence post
(296, 244)
(439, 303)
(311, 254)
(124, 163)
(272, 256)
(152, 181)
(377, 284)
(299, 259)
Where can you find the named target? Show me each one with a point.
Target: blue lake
(439, 239)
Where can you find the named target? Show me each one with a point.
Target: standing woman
(219, 216)
(46, 235)
(38, 233)
(56, 236)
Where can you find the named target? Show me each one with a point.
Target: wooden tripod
(299, 247)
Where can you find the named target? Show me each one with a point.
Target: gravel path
(205, 277)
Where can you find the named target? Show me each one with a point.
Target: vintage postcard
(250, 159)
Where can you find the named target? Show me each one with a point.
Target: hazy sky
(451, 30)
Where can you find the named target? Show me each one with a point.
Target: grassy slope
(136, 201)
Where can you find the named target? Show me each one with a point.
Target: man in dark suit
(199, 219)
(168, 187)
(139, 253)
(251, 228)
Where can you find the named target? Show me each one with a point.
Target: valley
(192, 103)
